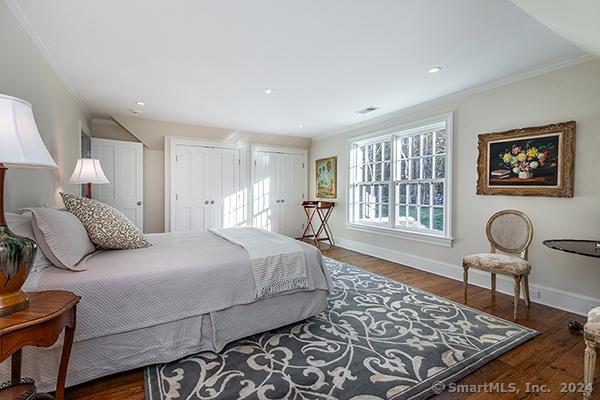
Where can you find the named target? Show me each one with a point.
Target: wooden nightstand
(38, 325)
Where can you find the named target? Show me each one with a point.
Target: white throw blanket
(278, 262)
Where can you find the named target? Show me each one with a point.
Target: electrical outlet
(536, 294)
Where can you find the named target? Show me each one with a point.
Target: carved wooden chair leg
(493, 284)
(465, 281)
(526, 290)
(517, 294)
(589, 366)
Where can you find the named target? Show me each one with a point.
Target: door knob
(282, 200)
(206, 202)
(277, 201)
(139, 203)
(212, 202)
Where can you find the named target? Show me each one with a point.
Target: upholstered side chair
(509, 232)
(591, 335)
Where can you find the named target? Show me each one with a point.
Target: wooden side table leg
(323, 226)
(315, 235)
(310, 216)
(64, 361)
(320, 214)
(326, 226)
(308, 219)
(15, 366)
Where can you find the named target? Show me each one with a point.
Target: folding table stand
(323, 210)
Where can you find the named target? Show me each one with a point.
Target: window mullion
(391, 185)
(430, 210)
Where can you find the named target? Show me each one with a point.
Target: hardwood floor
(554, 358)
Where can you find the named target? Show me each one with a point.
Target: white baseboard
(552, 297)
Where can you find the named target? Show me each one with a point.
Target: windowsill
(409, 235)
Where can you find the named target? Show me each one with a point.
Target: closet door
(123, 164)
(278, 189)
(293, 183)
(191, 184)
(226, 207)
(265, 191)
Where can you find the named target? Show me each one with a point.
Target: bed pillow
(61, 237)
(22, 225)
(106, 226)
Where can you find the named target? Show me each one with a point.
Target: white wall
(569, 94)
(25, 73)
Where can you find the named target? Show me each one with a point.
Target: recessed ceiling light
(433, 70)
(140, 103)
(136, 112)
(268, 91)
(300, 126)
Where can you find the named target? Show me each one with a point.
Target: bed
(187, 293)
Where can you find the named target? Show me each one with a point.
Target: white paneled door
(291, 192)
(265, 191)
(123, 164)
(278, 190)
(207, 188)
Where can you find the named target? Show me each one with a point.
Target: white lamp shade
(88, 170)
(20, 141)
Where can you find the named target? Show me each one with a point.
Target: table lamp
(20, 147)
(88, 171)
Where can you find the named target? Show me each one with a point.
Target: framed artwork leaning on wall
(326, 174)
(535, 161)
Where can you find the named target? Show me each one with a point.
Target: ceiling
(577, 21)
(210, 62)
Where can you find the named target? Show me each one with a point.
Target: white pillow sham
(62, 237)
(22, 225)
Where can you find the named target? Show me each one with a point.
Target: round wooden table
(589, 248)
(40, 324)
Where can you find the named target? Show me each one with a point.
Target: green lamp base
(16, 259)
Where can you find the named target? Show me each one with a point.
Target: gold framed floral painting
(326, 174)
(535, 161)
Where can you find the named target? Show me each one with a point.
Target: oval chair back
(510, 231)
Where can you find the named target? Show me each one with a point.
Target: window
(400, 183)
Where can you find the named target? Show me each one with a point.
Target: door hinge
(302, 165)
(255, 163)
(239, 162)
(176, 197)
(176, 158)
(302, 195)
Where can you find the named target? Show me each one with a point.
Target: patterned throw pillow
(106, 226)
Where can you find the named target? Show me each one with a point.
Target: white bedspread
(278, 262)
(180, 276)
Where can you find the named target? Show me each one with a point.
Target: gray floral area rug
(378, 339)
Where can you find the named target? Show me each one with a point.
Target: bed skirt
(102, 356)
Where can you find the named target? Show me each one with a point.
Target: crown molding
(458, 95)
(17, 10)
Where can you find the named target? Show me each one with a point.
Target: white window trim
(444, 239)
